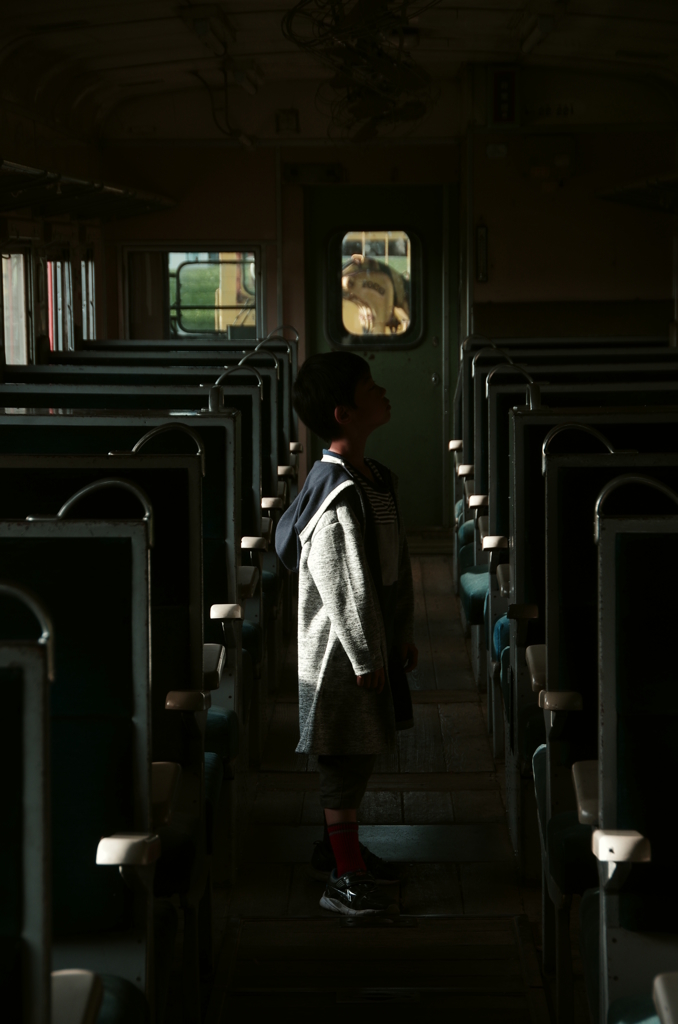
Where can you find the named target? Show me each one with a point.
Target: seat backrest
(24, 875)
(94, 577)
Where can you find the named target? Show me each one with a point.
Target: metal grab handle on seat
(283, 327)
(471, 339)
(621, 481)
(255, 352)
(491, 350)
(586, 429)
(100, 485)
(247, 369)
(163, 430)
(46, 638)
(533, 389)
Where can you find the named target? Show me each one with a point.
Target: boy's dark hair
(324, 382)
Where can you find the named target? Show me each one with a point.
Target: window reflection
(375, 282)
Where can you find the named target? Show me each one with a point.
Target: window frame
(65, 258)
(333, 323)
(258, 248)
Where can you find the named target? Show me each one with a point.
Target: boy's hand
(373, 680)
(410, 657)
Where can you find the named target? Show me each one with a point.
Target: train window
(14, 308)
(374, 303)
(212, 292)
(60, 305)
(89, 331)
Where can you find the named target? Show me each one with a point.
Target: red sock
(344, 839)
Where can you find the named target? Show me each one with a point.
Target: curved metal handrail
(247, 369)
(275, 337)
(622, 481)
(586, 429)
(162, 429)
(267, 352)
(532, 388)
(283, 327)
(470, 339)
(490, 349)
(100, 485)
(46, 638)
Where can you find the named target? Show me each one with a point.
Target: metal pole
(278, 233)
(446, 355)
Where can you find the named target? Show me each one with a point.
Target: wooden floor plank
(278, 807)
(445, 696)
(381, 807)
(283, 736)
(432, 889)
(490, 888)
(472, 782)
(421, 748)
(427, 808)
(465, 741)
(478, 806)
(261, 893)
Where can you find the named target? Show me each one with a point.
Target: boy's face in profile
(371, 409)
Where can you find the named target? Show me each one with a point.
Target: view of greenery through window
(211, 291)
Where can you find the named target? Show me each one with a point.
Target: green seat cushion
(123, 1002)
(466, 532)
(473, 586)
(222, 733)
(500, 636)
(465, 558)
(459, 509)
(505, 677)
(572, 865)
(633, 1010)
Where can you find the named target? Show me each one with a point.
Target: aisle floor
(466, 937)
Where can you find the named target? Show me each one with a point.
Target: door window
(373, 298)
(14, 308)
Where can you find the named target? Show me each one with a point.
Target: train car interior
(200, 203)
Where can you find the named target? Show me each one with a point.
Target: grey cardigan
(341, 632)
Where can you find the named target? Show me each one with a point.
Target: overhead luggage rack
(50, 194)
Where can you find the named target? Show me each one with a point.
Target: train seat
(501, 635)
(474, 584)
(122, 1002)
(466, 532)
(212, 781)
(465, 558)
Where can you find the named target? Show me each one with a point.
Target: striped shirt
(385, 515)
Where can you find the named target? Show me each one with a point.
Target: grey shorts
(343, 779)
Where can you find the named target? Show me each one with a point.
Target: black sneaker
(356, 894)
(323, 864)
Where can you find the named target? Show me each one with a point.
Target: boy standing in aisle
(345, 536)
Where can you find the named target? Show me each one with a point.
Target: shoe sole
(327, 903)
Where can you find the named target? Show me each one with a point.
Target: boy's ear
(341, 414)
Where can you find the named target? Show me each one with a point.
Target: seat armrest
(465, 469)
(478, 501)
(455, 446)
(504, 579)
(665, 997)
(270, 503)
(225, 611)
(213, 661)
(253, 544)
(585, 778)
(535, 656)
(134, 849)
(188, 700)
(296, 448)
(468, 488)
(286, 471)
(248, 578)
(560, 700)
(76, 997)
(165, 776)
(620, 846)
(493, 542)
(483, 526)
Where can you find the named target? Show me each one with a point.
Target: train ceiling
(72, 64)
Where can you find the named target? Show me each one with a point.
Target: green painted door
(419, 380)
